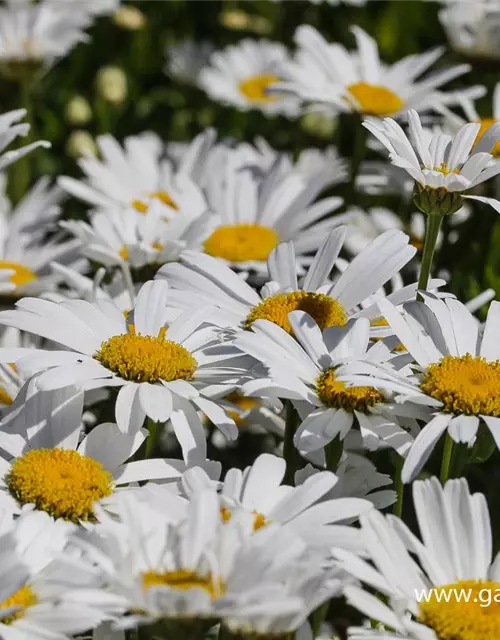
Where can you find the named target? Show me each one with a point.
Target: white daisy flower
(198, 277)
(445, 169)
(472, 28)
(325, 73)
(134, 175)
(420, 582)
(43, 590)
(251, 415)
(9, 131)
(303, 369)
(47, 465)
(241, 74)
(185, 60)
(38, 34)
(116, 237)
(92, 7)
(457, 379)
(158, 376)
(25, 253)
(184, 573)
(303, 509)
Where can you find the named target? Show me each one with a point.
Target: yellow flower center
(24, 598)
(61, 482)
(243, 403)
(21, 276)
(5, 397)
(375, 100)
(334, 393)
(162, 196)
(183, 579)
(465, 385)
(255, 87)
(242, 242)
(453, 618)
(326, 311)
(259, 519)
(443, 168)
(486, 123)
(123, 253)
(145, 358)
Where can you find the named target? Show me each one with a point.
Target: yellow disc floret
(143, 207)
(150, 359)
(467, 385)
(375, 100)
(22, 275)
(486, 123)
(326, 311)
(23, 598)
(61, 482)
(183, 579)
(255, 87)
(334, 393)
(452, 617)
(242, 242)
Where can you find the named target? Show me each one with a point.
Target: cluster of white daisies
(220, 286)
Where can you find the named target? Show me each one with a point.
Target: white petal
(128, 411)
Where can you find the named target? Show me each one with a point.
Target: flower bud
(78, 111)
(436, 202)
(112, 84)
(130, 18)
(81, 143)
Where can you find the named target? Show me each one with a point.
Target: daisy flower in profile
(163, 373)
(198, 277)
(418, 580)
(25, 253)
(9, 131)
(240, 75)
(327, 74)
(47, 465)
(457, 373)
(304, 369)
(134, 175)
(116, 236)
(444, 168)
(43, 588)
(258, 491)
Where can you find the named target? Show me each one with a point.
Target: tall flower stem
(357, 157)
(433, 226)
(333, 454)
(399, 486)
(152, 440)
(20, 176)
(446, 461)
(290, 453)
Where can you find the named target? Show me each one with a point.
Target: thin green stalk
(433, 226)
(333, 454)
(152, 440)
(446, 461)
(20, 174)
(290, 453)
(399, 486)
(317, 618)
(357, 157)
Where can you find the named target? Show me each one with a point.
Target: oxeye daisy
(258, 490)
(327, 74)
(134, 175)
(163, 373)
(186, 59)
(240, 75)
(456, 377)
(25, 253)
(472, 28)
(304, 369)
(444, 168)
(199, 277)
(273, 209)
(44, 591)
(47, 465)
(418, 580)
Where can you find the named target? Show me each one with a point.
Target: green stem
(152, 440)
(357, 157)
(433, 226)
(333, 454)
(446, 461)
(399, 486)
(290, 453)
(20, 174)
(317, 618)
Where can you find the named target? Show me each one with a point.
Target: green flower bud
(436, 202)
